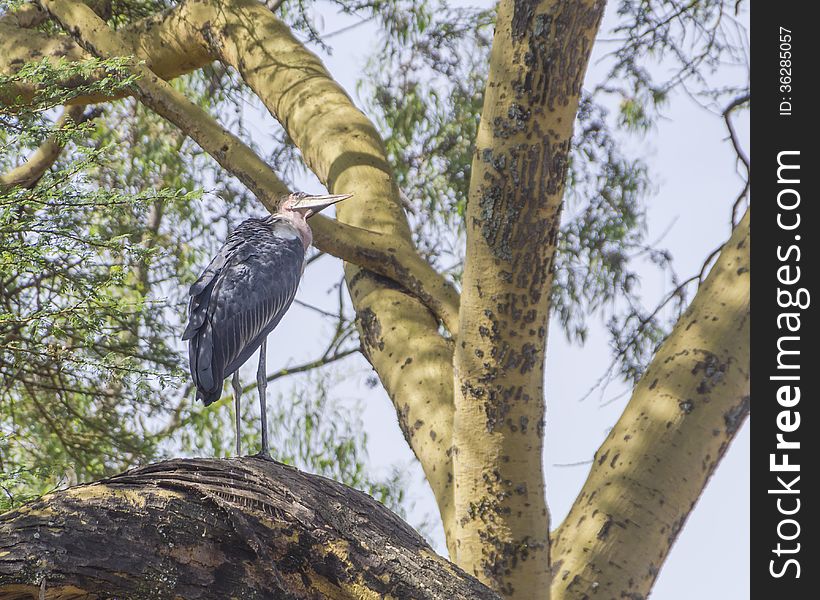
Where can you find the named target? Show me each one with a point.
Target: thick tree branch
(29, 173)
(228, 150)
(392, 258)
(538, 61)
(654, 464)
(166, 43)
(31, 15)
(205, 528)
(25, 16)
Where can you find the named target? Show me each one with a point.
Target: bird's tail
(207, 397)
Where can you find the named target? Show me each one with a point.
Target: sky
(692, 167)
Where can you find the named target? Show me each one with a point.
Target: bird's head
(309, 204)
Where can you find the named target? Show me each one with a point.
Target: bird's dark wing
(200, 291)
(242, 302)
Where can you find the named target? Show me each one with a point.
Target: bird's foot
(263, 454)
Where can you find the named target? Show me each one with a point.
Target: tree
(490, 159)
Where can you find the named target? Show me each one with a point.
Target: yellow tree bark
(539, 57)
(655, 462)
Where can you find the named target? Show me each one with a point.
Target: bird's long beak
(314, 204)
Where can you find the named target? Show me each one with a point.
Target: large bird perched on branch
(243, 294)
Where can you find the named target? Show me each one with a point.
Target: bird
(242, 295)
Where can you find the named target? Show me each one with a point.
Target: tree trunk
(538, 60)
(208, 528)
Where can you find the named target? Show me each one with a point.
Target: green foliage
(72, 357)
(22, 485)
(426, 88)
(83, 355)
(602, 243)
(88, 77)
(320, 434)
(658, 48)
(10, 6)
(692, 40)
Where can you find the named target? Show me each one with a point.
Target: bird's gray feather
(200, 291)
(240, 297)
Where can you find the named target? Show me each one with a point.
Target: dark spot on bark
(712, 370)
(523, 12)
(500, 557)
(371, 331)
(735, 416)
(603, 532)
(554, 69)
(433, 435)
(332, 569)
(675, 530)
(404, 422)
(529, 355)
(496, 409)
(518, 115)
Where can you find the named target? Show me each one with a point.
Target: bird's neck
(300, 224)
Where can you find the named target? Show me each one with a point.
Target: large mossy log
(230, 528)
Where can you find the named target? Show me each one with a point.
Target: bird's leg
(237, 392)
(262, 385)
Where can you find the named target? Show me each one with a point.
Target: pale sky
(693, 170)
